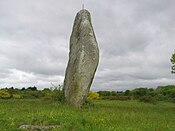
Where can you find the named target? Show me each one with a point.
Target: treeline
(31, 93)
(161, 93)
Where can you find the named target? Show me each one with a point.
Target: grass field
(101, 116)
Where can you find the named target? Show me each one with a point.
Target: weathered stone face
(83, 60)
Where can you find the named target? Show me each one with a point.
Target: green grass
(102, 116)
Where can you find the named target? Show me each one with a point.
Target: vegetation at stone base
(150, 95)
(93, 95)
(173, 63)
(104, 115)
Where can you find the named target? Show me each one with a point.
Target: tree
(104, 93)
(139, 92)
(32, 88)
(127, 93)
(173, 63)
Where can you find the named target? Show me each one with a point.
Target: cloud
(136, 40)
(18, 78)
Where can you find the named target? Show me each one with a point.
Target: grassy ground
(102, 116)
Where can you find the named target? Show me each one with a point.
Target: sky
(136, 39)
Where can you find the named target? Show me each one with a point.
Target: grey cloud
(136, 40)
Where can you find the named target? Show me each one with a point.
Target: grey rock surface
(32, 127)
(83, 60)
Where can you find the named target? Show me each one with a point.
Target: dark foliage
(161, 93)
(147, 99)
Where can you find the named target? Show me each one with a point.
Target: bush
(16, 96)
(123, 98)
(139, 92)
(92, 95)
(147, 99)
(160, 97)
(127, 93)
(58, 95)
(88, 104)
(30, 94)
(4, 94)
(173, 100)
(104, 93)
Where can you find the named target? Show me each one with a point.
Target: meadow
(99, 115)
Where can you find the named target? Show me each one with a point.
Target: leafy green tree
(173, 63)
(104, 93)
(113, 93)
(139, 92)
(32, 88)
(127, 93)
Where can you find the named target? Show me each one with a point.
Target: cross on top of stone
(82, 6)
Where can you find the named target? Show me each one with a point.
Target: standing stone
(83, 60)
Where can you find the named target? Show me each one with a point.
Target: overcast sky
(136, 39)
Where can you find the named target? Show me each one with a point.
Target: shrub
(4, 94)
(16, 96)
(104, 93)
(173, 100)
(161, 97)
(92, 95)
(88, 104)
(147, 99)
(139, 92)
(123, 98)
(27, 94)
(127, 93)
(58, 95)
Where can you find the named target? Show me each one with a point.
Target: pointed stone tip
(83, 11)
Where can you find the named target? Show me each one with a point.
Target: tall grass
(100, 116)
